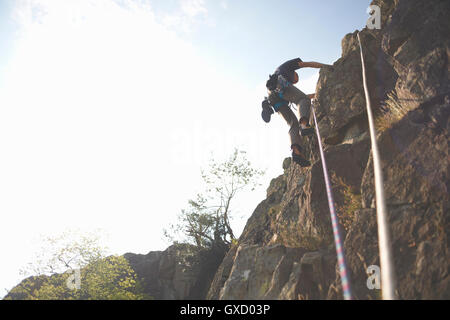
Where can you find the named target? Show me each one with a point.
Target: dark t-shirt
(288, 68)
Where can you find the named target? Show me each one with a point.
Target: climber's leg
(292, 121)
(304, 114)
(295, 95)
(304, 111)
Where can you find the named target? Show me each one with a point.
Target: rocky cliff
(178, 273)
(286, 250)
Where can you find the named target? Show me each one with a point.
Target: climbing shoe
(298, 157)
(308, 131)
(267, 111)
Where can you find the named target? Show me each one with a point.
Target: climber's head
(295, 77)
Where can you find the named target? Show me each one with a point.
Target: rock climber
(282, 92)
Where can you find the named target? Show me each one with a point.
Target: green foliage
(352, 202)
(289, 235)
(311, 243)
(206, 220)
(392, 111)
(68, 250)
(273, 211)
(111, 278)
(100, 277)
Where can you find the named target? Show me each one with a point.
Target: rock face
(286, 250)
(180, 272)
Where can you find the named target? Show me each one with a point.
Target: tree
(68, 250)
(70, 255)
(206, 220)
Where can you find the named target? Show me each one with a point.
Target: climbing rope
(334, 220)
(387, 270)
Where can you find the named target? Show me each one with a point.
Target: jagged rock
(179, 272)
(253, 271)
(416, 40)
(278, 272)
(417, 187)
(302, 217)
(222, 274)
(341, 101)
(287, 163)
(409, 56)
(257, 230)
(311, 278)
(286, 250)
(411, 163)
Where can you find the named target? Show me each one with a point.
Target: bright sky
(109, 108)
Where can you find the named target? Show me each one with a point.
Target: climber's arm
(313, 65)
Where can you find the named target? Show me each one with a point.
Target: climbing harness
(387, 270)
(276, 100)
(334, 220)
